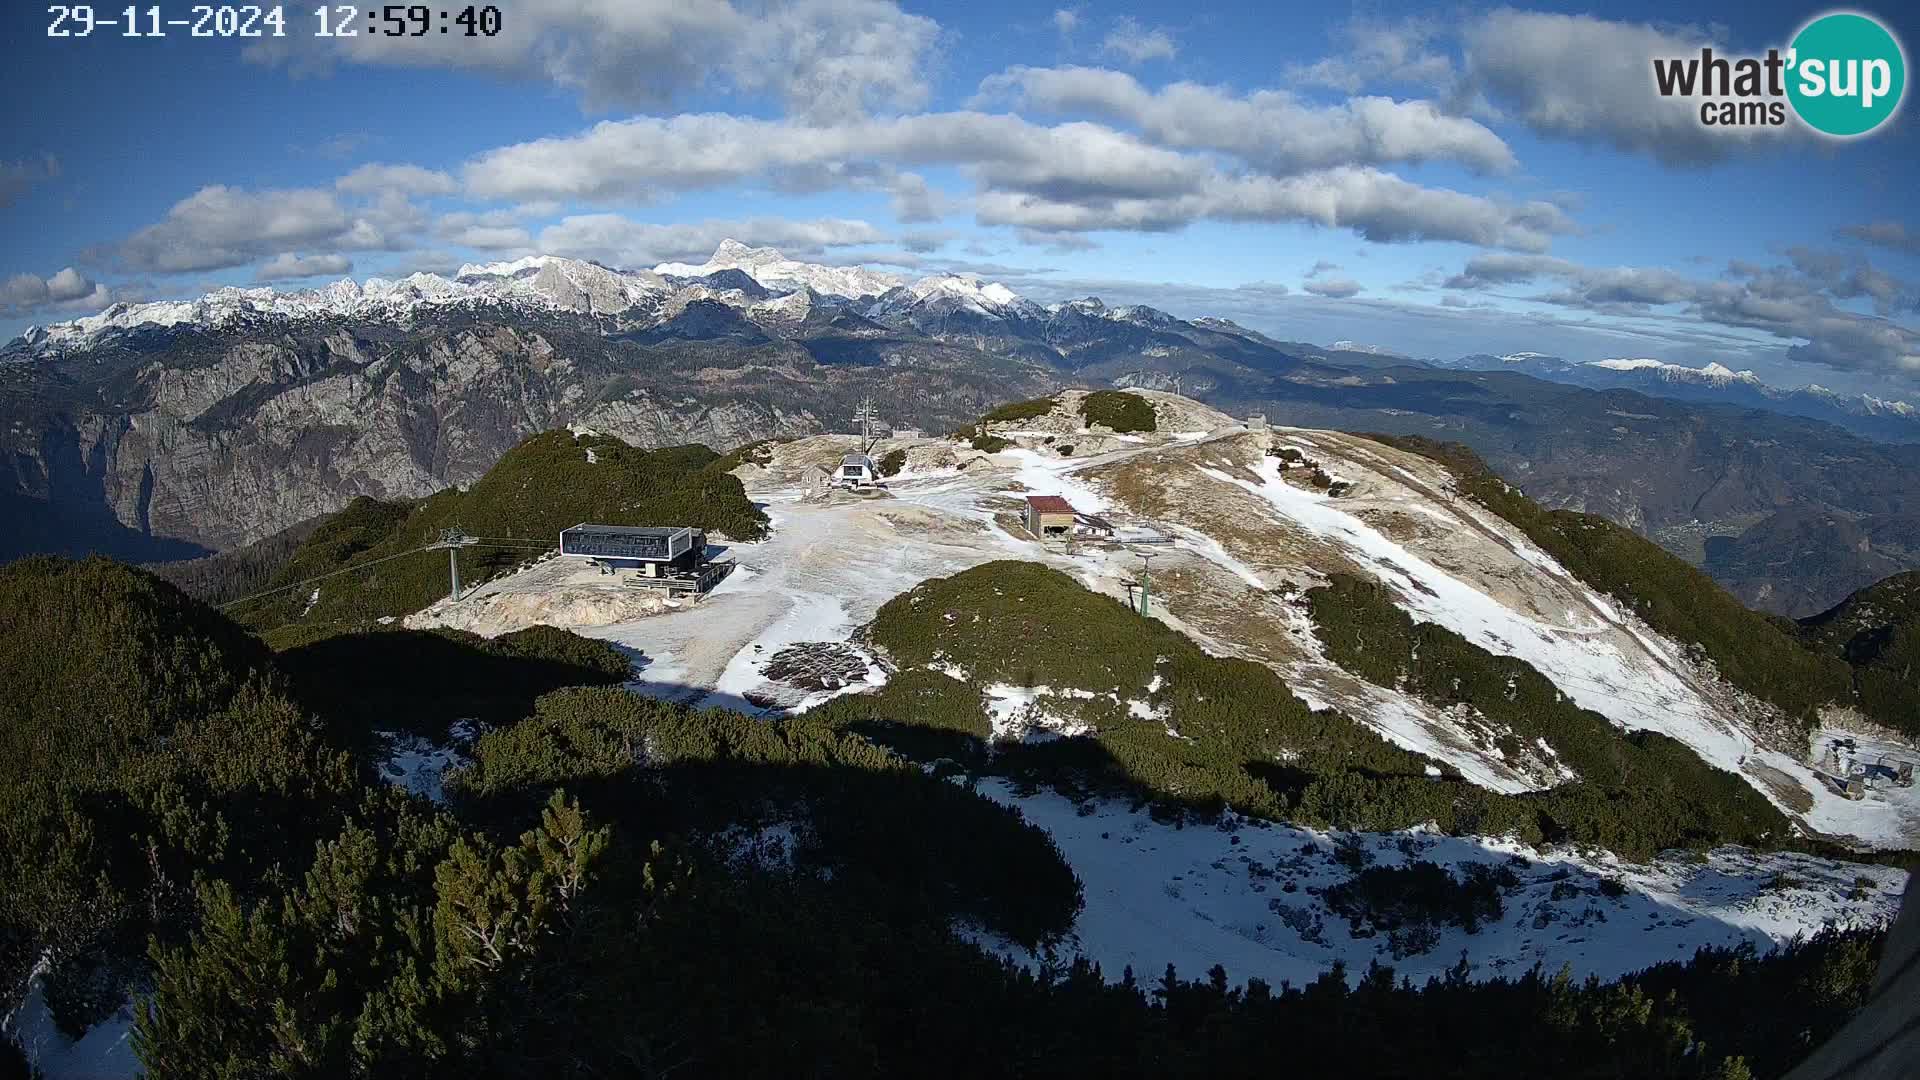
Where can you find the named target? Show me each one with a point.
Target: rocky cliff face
(217, 440)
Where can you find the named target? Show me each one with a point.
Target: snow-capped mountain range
(1713, 374)
(775, 271)
(752, 291)
(763, 284)
(1863, 414)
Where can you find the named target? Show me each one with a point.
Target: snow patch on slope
(1243, 894)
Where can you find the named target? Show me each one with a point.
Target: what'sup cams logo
(1843, 75)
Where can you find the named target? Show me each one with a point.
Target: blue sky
(1435, 179)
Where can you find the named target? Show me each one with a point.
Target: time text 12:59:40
(255, 21)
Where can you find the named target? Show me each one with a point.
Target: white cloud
(832, 59)
(67, 291)
(1577, 77)
(1380, 51)
(1892, 235)
(1379, 206)
(492, 230)
(822, 59)
(1793, 302)
(218, 227)
(283, 267)
(1333, 288)
(620, 241)
(1271, 130)
(1136, 43)
(914, 200)
(1066, 20)
(1583, 78)
(647, 158)
(1073, 177)
(493, 238)
(404, 179)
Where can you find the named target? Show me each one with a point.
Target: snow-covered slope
(1248, 895)
(1231, 559)
(1253, 538)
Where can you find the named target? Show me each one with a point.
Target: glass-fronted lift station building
(650, 549)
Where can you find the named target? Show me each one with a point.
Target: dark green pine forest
(193, 817)
(619, 887)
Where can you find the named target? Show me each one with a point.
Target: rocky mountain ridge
(162, 430)
(157, 430)
(1868, 415)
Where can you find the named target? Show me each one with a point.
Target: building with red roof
(1049, 517)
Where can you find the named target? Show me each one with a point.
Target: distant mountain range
(167, 429)
(160, 429)
(1863, 414)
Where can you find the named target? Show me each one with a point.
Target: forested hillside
(1167, 722)
(619, 886)
(547, 483)
(1877, 632)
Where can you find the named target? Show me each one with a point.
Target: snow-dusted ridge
(539, 283)
(769, 289)
(775, 271)
(1714, 373)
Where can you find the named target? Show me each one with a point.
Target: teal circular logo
(1847, 74)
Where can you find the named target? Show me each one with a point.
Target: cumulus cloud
(1892, 235)
(219, 227)
(616, 240)
(1794, 302)
(404, 179)
(1589, 79)
(1066, 20)
(1270, 129)
(283, 267)
(1333, 288)
(1576, 77)
(1069, 178)
(16, 177)
(1378, 51)
(1136, 43)
(1379, 206)
(493, 230)
(1849, 276)
(68, 291)
(647, 158)
(914, 200)
(822, 59)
